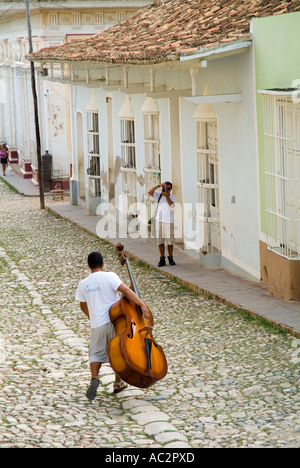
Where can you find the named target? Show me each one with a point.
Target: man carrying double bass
(96, 294)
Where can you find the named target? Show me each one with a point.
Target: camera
(163, 189)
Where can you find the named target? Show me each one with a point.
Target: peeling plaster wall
(56, 131)
(237, 153)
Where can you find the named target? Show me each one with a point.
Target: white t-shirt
(99, 290)
(164, 212)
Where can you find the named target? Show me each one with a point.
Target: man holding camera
(164, 220)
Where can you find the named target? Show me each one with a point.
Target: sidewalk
(234, 291)
(23, 186)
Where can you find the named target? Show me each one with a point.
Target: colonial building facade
(52, 24)
(278, 111)
(171, 94)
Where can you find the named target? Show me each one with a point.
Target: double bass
(133, 353)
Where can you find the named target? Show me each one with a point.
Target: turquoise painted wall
(277, 65)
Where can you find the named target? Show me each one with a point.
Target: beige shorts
(100, 338)
(165, 233)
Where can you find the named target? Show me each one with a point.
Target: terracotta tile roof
(167, 29)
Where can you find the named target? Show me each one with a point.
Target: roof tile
(164, 30)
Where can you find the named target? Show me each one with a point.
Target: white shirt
(164, 212)
(99, 291)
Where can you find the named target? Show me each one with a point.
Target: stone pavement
(237, 292)
(231, 382)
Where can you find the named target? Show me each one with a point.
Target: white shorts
(100, 338)
(165, 232)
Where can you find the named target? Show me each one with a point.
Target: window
(121, 16)
(99, 19)
(152, 151)
(128, 144)
(94, 171)
(208, 185)
(282, 174)
(128, 165)
(53, 20)
(152, 144)
(128, 157)
(152, 141)
(76, 23)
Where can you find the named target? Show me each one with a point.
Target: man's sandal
(92, 390)
(119, 386)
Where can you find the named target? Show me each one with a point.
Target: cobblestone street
(232, 381)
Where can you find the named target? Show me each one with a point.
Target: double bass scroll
(133, 353)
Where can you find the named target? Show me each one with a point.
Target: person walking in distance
(3, 156)
(164, 220)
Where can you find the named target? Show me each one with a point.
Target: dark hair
(169, 183)
(95, 260)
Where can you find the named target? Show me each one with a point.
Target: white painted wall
(237, 155)
(237, 152)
